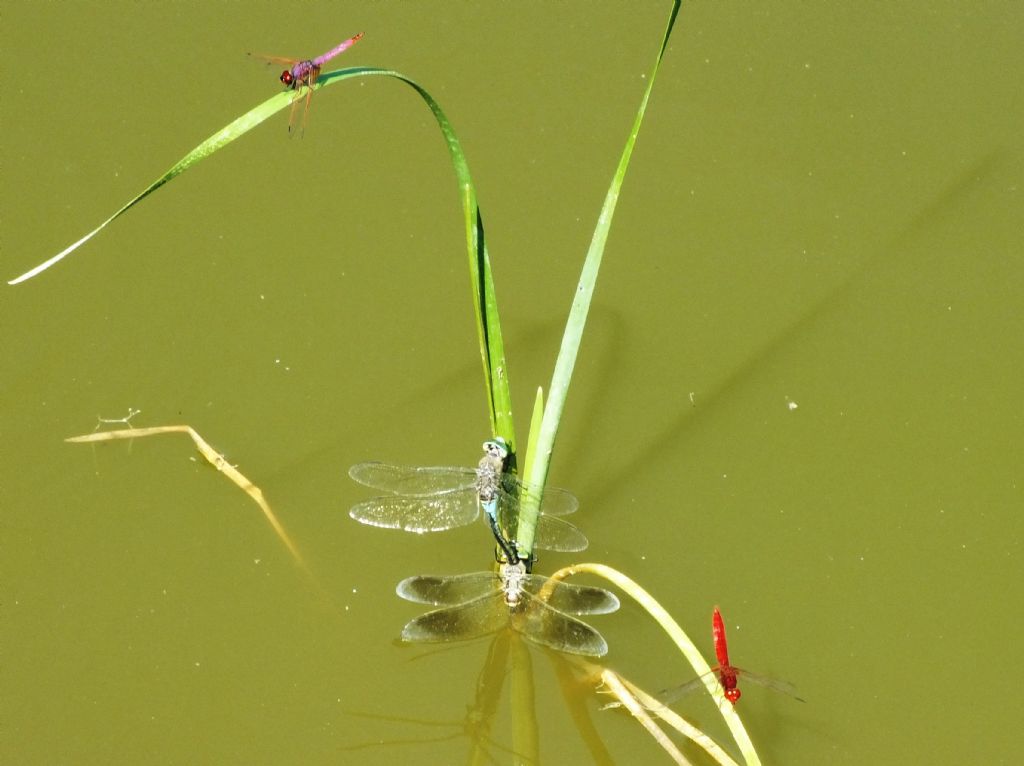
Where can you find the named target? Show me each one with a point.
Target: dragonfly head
(496, 448)
(732, 695)
(286, 77)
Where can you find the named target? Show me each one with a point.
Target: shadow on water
(955, 194)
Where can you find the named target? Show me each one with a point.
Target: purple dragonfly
(305, 72)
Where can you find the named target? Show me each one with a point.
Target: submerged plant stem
(215, 459)
(610, 679)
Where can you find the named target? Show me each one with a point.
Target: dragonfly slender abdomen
(339, 48)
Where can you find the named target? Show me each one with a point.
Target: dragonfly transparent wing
(570, 598)
(412, 480)
(553, 502)
(450, 590)
(555, 534)
(419, 513)
(556, 630)
(483, 615)
(775, 684)
(287, 63)
(676, 693)
(558, 502)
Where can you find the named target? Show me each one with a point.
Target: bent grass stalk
(638, 702)
(610, 679)
(682, 642)
(215, 459)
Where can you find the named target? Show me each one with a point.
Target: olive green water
(798, 398)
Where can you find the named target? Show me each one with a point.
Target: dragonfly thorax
(488, 477)
(303, 73)
(512, 576)
(489, 470)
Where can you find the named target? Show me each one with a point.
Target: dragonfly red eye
(286, 77)
(732, 695)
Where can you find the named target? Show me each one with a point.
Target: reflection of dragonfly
(433, 499)
(728, 675)
(305, 72)
(480, 717)
(484, 602)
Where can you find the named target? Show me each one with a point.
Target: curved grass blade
(492, 348)
(682, 642)
(218, 140)
(485, 302)
(536, 473)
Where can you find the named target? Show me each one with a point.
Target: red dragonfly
(305, 72)
(728, 674)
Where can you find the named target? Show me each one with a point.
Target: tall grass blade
(537, 475)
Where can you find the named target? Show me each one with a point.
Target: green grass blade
(537, 475)
(218, 140)
(484, 300)
(531, 441)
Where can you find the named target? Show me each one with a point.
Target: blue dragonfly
(436, 498)
(479, 603)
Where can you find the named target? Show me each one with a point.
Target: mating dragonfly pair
(433, 499)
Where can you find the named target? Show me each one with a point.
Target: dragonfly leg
(291, 117)
(312, 77)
